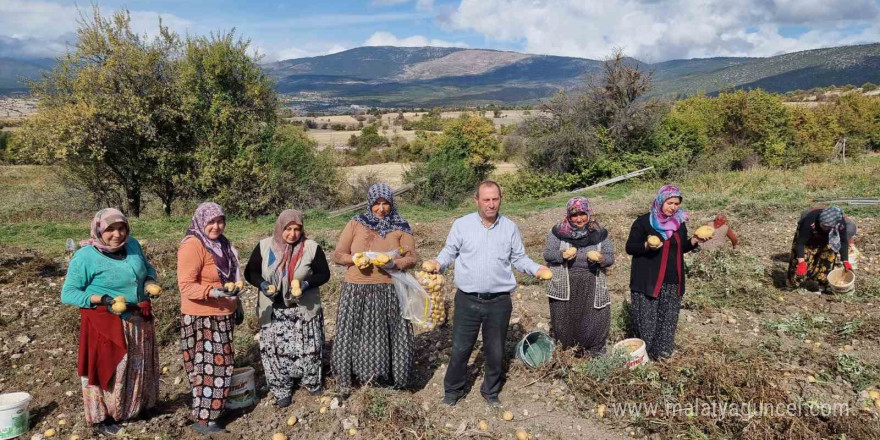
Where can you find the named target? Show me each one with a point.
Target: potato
(50, 433)
(279, 436)
(230, 286)
(295, 289)
(119, 299)
(427, 266)
(483, 425)
(654, 241)
(874, 394)
(271, 288)
(292, 421)
(544, 274)
(594, 256)
(239, 284)
(705, 232)
(600, 410)
(153, 289)
(570, 252)
(522, 435)
(508, 416)
(119, 307)
(380, 260)
(352, 431)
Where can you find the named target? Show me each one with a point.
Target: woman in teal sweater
(108, 279)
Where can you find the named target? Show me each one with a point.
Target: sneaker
(210, 428)
(493, 401)
(108, 428)
(450, 400)
(283, 402)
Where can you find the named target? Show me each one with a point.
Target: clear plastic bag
(415, 303)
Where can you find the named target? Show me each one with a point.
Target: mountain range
(388, 76)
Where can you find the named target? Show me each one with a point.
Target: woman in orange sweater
(206, 261)
(372, 340)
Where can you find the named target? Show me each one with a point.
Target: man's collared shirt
(483, 255)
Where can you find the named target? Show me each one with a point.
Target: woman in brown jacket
(373, 340)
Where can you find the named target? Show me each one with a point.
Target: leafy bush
(446, 178)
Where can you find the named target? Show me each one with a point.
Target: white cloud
(656, 30)
(44, 29)
(382, 38)
(310, 50)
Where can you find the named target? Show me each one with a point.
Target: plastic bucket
(535, 349)
(840, 281)
(14, 416)
(637, 356)
(242, 392)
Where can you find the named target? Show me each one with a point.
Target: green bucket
(535, 349)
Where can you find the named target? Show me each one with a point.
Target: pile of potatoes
(433, 284)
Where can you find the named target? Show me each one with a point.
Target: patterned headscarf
(831, 218)
(589, 234)
(103, 219)
(666, 226)
(284, 257)
(224, 254)
(391, 222)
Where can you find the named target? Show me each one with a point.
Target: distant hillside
(428, 76)
(432, 76)
(13, 70)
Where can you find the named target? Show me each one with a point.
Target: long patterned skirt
(135, 385)
(208, 358)
(292, 349)
(373, 341)
(576, 323)
(654, 320)
(820, 259)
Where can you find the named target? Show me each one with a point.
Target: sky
(651, 30)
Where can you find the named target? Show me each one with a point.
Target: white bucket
(638, 356)
(242, 392)
(14, 416)
(840, 281)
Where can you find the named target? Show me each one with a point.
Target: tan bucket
(840, 281)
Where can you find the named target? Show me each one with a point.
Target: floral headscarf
(666, 226)
(391, 222)
(284, 257)
(831, 218)
(589, 234)
(224, 254)
(103, 219)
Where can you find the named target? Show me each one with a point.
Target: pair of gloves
(801, 268)
(107, 301)
(269, 291)
(223, 292)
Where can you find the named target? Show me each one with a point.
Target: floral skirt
(208, 357)
(820, 259)
(292, 349)
(135, 386)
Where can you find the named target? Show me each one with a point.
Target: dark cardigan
(649, 266)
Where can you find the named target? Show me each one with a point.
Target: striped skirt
(373, 341)
(135, 385)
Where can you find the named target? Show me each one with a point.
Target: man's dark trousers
(471, 312)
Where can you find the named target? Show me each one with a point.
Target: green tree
(111, 113)
(234, 110)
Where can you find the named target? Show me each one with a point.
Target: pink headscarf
(666, 226)
(224, 254)
(103, 219)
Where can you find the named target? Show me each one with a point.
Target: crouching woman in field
(373, 340)
(206, 262)
(820, 235)
(657, 242)
(288, 270)
(118, 359)
(578, 251)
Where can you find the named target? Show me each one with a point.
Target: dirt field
(741, 338)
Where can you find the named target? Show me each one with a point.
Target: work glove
(846, 266)
(221, 292)
(801, 269)
(107, 301)
(268, 289)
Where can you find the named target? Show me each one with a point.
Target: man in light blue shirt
(483, 246)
